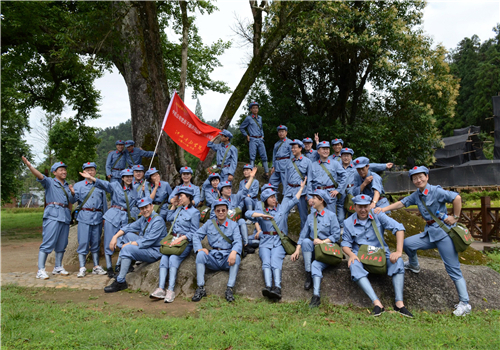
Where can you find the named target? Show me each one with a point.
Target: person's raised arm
(250, 179)
(302, 185)
(34, 171)
(393, 206)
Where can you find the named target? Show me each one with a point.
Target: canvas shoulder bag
(177, 249)
(373, 258)
(328, 253)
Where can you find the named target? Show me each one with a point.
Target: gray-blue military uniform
(253, 123)
(56, 217)
(134, 157)
(248, 202)
(116, 216)
(89, 218)
(293, 180)
(151, 231)
(433, 236)
(312, 154)
(321, 179)
(271, 251)
(185, 221)
(369, 189)
(231, 159)
(217, 258)
(327, 228)
(282, 152)
(162, 193)
(196, 193)
(116, 162)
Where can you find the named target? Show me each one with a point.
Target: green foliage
(495, 260)
(108, 137)
(30, 319)
(73, 145)
(316, 82)
(477, 195)
(477, 65)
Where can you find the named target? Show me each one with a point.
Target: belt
(272, 233)
(280, 158)
(257, 137)
(175, 234)
(430, 222)
(220, 249)
(325, 187)
(225, 166)
(350, 185)
(117, 169)
(293, 185)
(59, 204)
(156, 203)
(118, 207)
(91, 209)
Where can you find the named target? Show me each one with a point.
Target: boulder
(431, 289)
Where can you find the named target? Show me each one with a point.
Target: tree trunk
(141, 65)
(289, 13)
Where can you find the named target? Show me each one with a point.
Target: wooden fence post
(485, 217)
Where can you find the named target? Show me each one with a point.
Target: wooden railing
(482, 222)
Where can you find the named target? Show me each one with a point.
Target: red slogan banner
(186, 130)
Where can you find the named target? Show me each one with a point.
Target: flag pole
(162, 126)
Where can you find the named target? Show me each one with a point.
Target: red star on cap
(142, 200)
(270, 184)
(335, 139)
(346, 149)
(128, 170)
(362, 197)
(61, 162)
(88, 163)
(280, 126)
(357, 161)
(185, 167)
(415, 168)
(220, 199)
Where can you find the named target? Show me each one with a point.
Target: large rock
(431, 289)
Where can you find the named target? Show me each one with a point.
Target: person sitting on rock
(271, 250)
(327, 231)
(185, 221)
(144, 246)
(212, 193)
(92, 205)
(186, 175)
(224, 237)
(250, 199)
(158, 191)
(359, 229)
(434, 237)
(56, 216)
(234, 200)
(254, 238)
(137, 186)
(123, 199)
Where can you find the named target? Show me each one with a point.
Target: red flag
(186, 130)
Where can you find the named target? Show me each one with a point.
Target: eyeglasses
(220, 210)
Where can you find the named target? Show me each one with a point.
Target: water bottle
(440, 215)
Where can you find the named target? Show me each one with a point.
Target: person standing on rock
(271, 251)
(327, 231)
(186, 175)
(282, 152)
(185, 222)
(134, 155)
(433, 198)
(116, 162)
(255, 137)
(224, 237)
(158, 191)
(123, 199)
(364, 229)
(227, 155)
(297, 168)
(144, 246)
(56, 216)
(310, 153)
(92, 205)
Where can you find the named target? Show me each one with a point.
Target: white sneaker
(170, 296)
(462, 309)
(412, 268)
(98, 270)
(60, 271)
(42, 274)
(82, 272)
(158, 294)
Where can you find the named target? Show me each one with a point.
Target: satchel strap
(438, 220)
(173, 222)
(375, 228)
(221, 233)
(225, 155)
(144, 231)
(298, 171)
(255, 121)
(66, 194)
(120, 157)
(273, 222)
(128, 205)
(329, 175)
(85, 199)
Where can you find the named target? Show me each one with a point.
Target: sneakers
(462, 309)
(377, 311)
(315, 301)
(412, 268)
(403, 311)
(158, 294)
(98, 270)
(42, 274)
(82, 272)
(60, 271)
(116, 287)
(200, 293)
(229, 294)
(308, 283)
(169, 298)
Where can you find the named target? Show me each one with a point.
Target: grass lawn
(30, 322)
(20, 223)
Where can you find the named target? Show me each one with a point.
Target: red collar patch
(86, 182)
(323, 212)
(354, 221)
(328, 161)
(186, 208)
(226, 224)
(149, 219)
(370, 216)
(132, 151)
(426, 192)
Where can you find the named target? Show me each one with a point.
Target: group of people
(341, 203)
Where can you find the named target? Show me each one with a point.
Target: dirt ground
(22, 256)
